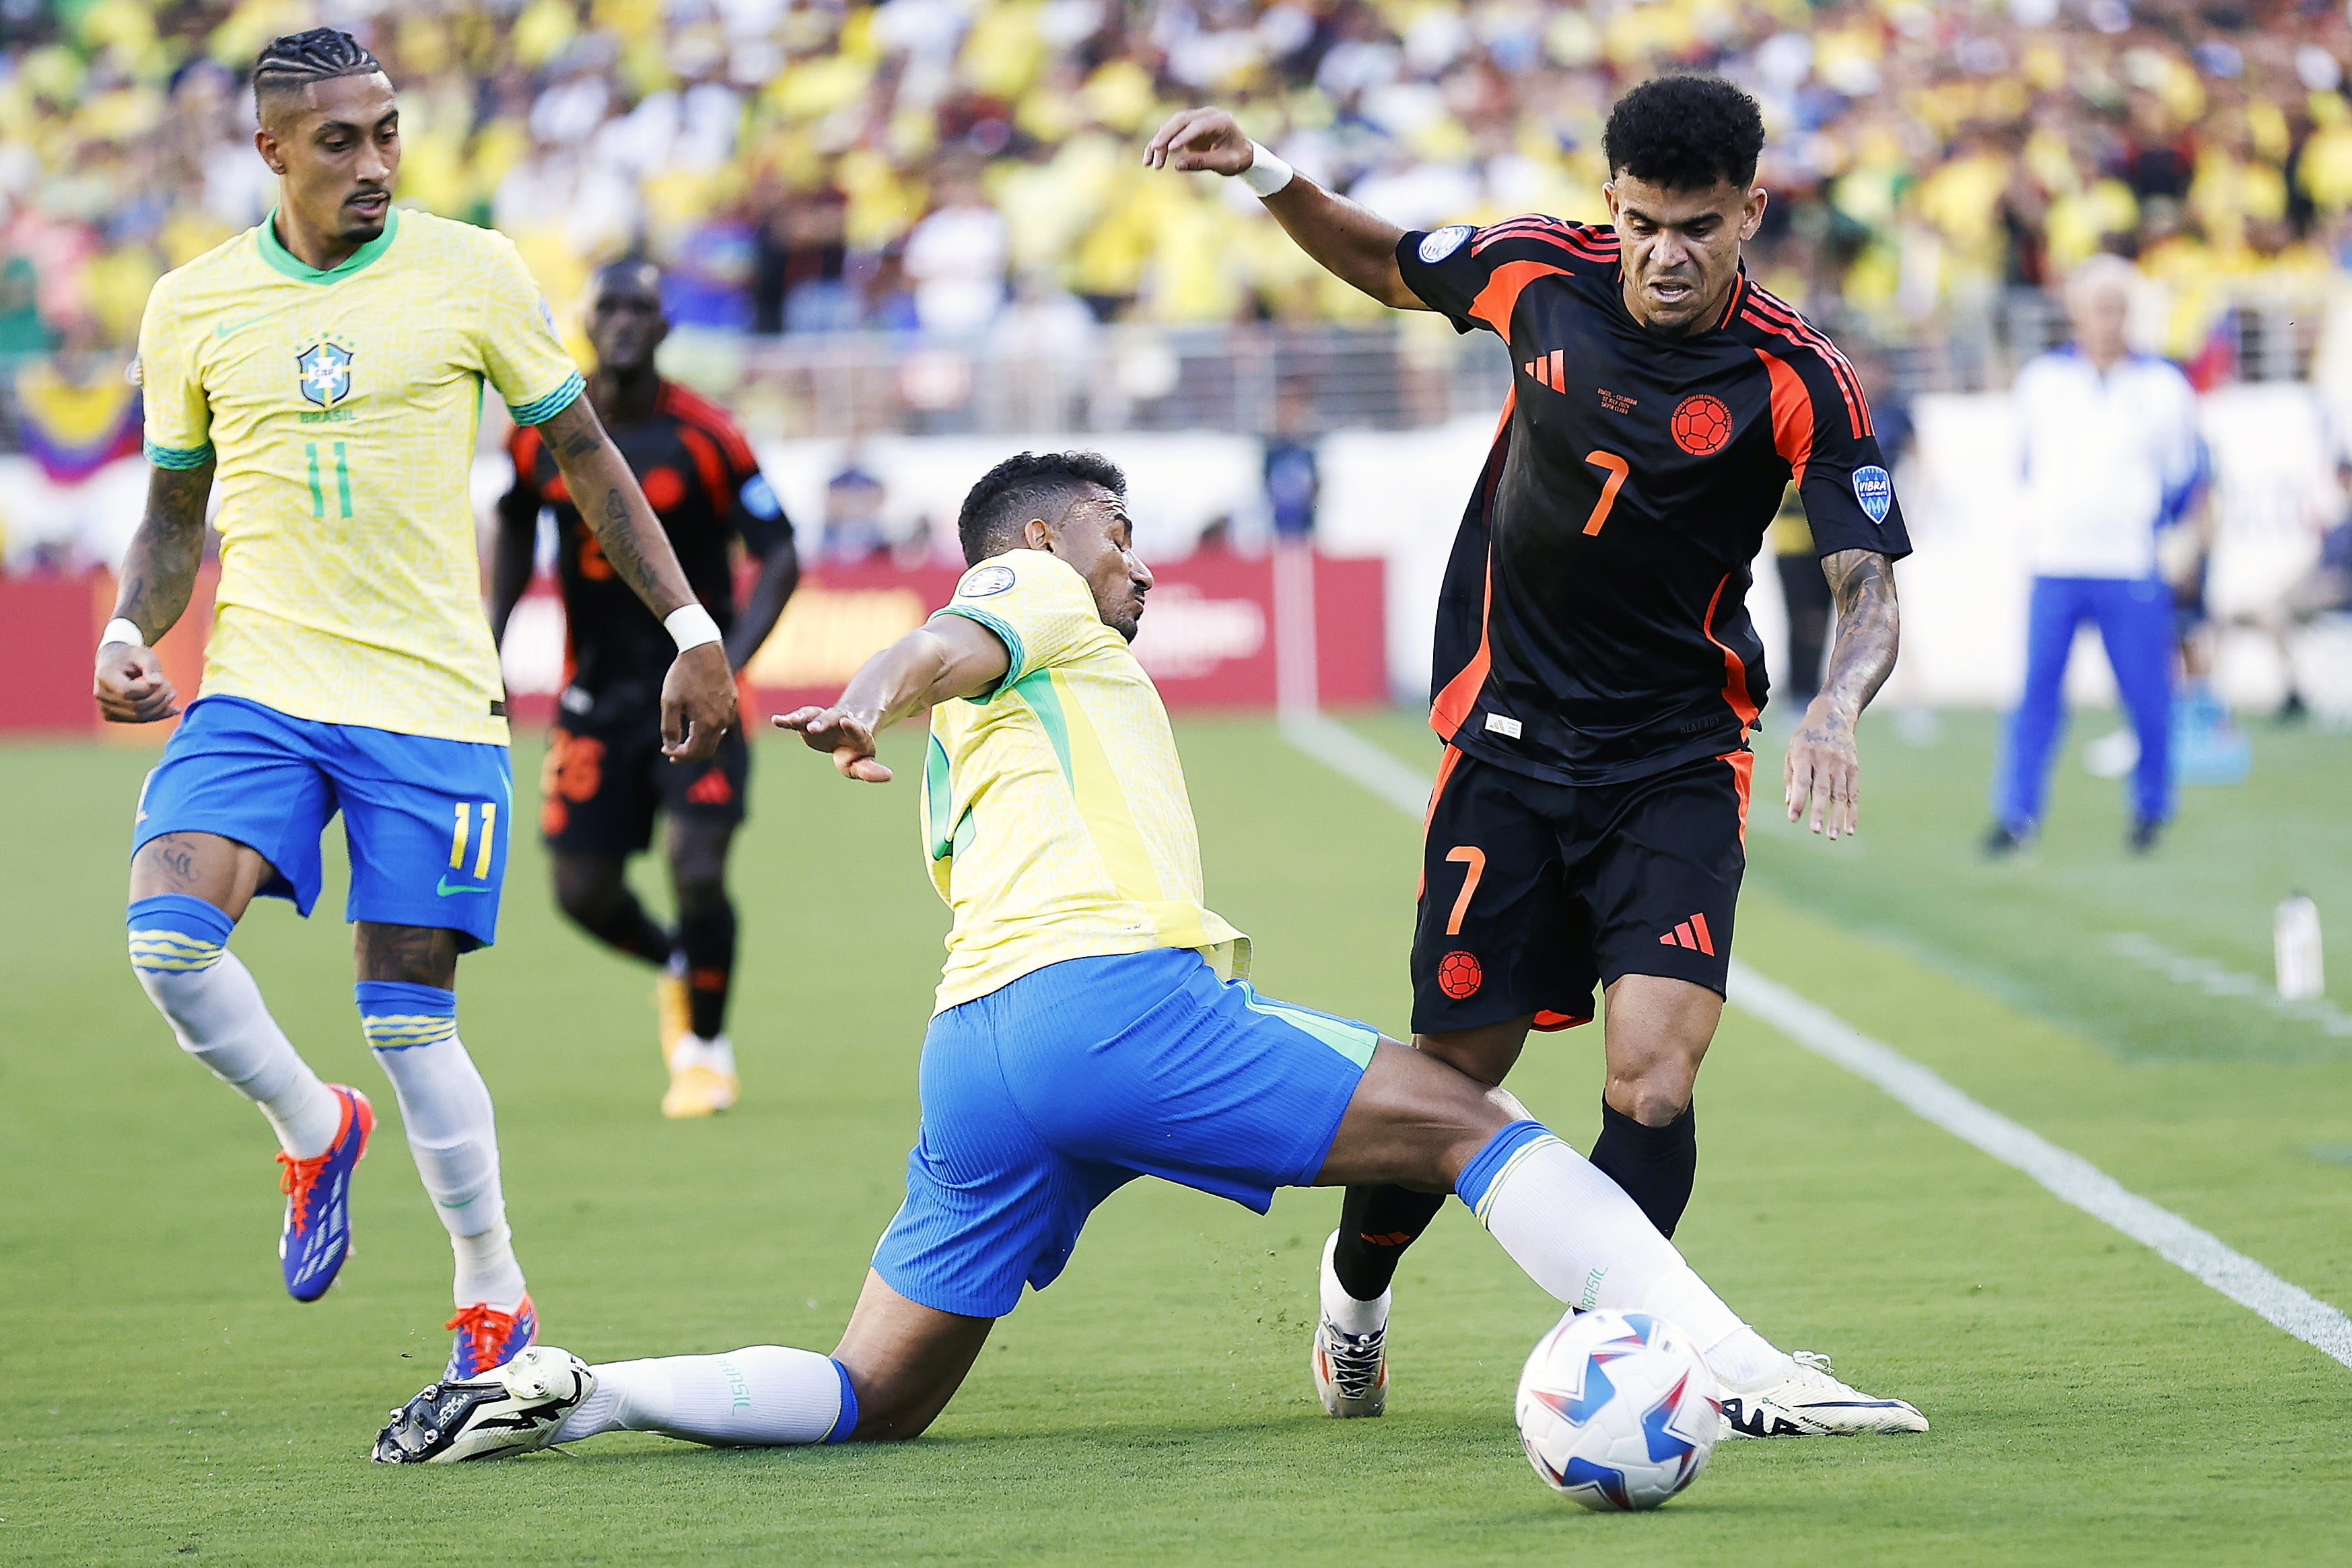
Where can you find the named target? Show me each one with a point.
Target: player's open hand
(130, 685)
(1200, 139)
(698, 704)
(1824, 771)
(842, 733)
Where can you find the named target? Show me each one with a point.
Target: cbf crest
(326, 373)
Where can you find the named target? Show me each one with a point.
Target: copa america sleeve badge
(1874, 489)
(983, 580)
(1439, 243)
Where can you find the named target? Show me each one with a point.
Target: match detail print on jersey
(1596, 594)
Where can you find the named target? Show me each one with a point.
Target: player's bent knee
(705, 890)
(1654, 1096)
(176, 944)
(1414, 1121)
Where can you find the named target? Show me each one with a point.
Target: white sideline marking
(2216, 982)
(2066, 1175)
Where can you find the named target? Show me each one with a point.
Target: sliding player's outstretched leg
(897, 1365)
(1578, 1235)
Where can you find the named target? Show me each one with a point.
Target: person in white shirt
(2112, 456)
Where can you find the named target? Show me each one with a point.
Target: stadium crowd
(923, 164)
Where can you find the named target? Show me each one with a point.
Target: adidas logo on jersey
(1550, 371)
(1691, 933)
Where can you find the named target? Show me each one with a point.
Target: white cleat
(1811, 1403)
(511, 1409)
(1351, 1370)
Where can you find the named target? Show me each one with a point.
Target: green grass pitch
(161, 1400)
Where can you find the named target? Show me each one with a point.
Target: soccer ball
(1616, 1410)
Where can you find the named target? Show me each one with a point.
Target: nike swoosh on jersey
(445, 890)
(235, 327)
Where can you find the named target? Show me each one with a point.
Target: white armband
(121, 630)
(690, 626)
(1265, 174)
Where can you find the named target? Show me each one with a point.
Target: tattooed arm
(1824, 767)
(159, 572)
(699, 695)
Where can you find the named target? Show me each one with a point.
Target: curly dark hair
(293, 62)
(1031, 484)
(1686, 133)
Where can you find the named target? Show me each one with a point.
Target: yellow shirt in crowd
(1055, 815)
(340, 407)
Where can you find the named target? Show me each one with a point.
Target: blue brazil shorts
(1044, 1098)
(426, 819)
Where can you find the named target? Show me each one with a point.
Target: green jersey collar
(294, 266)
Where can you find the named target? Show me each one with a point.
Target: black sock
(706, 935)
(1376, 1225)
(1655, 1165)
(623, 922)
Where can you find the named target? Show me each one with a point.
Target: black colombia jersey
(1593, 624)
(699, 474)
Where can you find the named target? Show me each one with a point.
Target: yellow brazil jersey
(1053, 808)
(340, 407)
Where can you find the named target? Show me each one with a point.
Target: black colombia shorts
(605, 778)
(1532, 893)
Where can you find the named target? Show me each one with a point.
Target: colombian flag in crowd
(71, 428)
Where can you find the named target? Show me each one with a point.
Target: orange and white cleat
(702, 1080)
(488, 1339)
(316, 1238)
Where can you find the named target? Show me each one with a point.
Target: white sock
(214, 1007)
(487, 1269)
(1580, 1236)
(444, 1108)
(1344, 1311)
(693, 1050)
(764, 1395)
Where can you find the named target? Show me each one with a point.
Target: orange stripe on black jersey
(1731, 300)
(523, 448)
(1735, 674)
(1772, 316)
(1792, 415)
(1584, 243)
(710, 465)
(1775, 309)
(691, 408)
(1501, 296)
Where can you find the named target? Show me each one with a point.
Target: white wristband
(121, 630)
(1265, 174)
(690, 626)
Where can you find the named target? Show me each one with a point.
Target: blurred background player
(1596, 675)
(327, 366)
(2112, 455)
(2324, 589)
(606, 775)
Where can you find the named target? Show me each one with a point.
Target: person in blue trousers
(2112, 456)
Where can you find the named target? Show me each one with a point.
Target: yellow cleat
(677, 1014)
(700, 1092)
